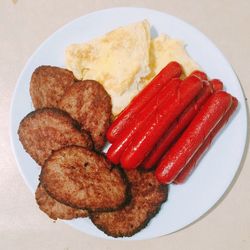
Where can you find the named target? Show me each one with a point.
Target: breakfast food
(177, 127)
(138, 122)
(48, 84)
(189, 168)
(193, 137)
(200, 74)
(54, 209)
(176, 122)
(164, 50)
(88, 103)
(125, 60)
(167, 113)
(217, 84)
(170, 71)
(159, 122)
(147, 196)
(48, 129)
(84, 179)
(118, 60)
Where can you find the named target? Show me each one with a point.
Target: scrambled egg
(118, 60)
(163, 50)
(125, 60)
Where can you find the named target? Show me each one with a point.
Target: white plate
(188, 202)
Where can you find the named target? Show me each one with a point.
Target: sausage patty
(48, 84)
(84, 179)
(89, 103)
(147, 196)
(54, 209)
(48, 129)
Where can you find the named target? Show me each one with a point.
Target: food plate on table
(188, 202)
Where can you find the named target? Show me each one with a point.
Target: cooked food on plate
(89, 103)
(54, 209)
(164, 50)
(144, 95)
(159, 119)
(125, 60)
(48, 84)
(190, 166)
(172, 70)
(147, 197)
(173, 129)
(172, 133)
(84, 179)
(194, 136)
(118, 60)
(48, 129)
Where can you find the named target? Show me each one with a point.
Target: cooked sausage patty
(89, 103)
(54, 209)
(48, 84)
(147, 196)
(48, 129)
(84, 179)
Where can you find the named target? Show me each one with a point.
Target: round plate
(188, 202)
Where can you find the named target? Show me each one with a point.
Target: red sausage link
(121, 143)
(216, 84)
(177, 127)
(193, 137)
(187, 171)
(202, 75)
(159, 122)
(172, 70)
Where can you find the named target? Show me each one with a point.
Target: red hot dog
(177, 127)
(202, 75)
(172, 70)
(159, 122)
(193, 137)
(189, 168)
(216, 84)
(121, 143)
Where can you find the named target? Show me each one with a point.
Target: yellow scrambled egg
(118, 60)
(163, 50)
(125, 60)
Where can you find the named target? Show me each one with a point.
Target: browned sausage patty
(84, 179)
(147, 196)
(89, 103)
(48, 129)
(48, 84)
(54, 209)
